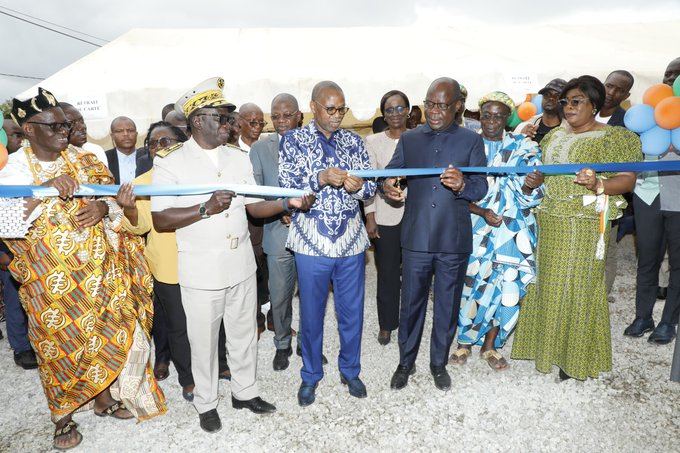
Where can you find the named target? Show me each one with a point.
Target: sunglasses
(55, 127)
(222, 119)
(162, 142)
(398, 109)
(574, 102)
(440, 105)
(333, 110)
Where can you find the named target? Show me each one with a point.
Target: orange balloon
(3, 156)
(667, 113)
(657, 93)
(526, 110)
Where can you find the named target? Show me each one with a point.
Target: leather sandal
(460, 356)
(495, 360)
(112, 410)
(66, 431)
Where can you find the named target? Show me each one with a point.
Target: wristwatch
(203, 211)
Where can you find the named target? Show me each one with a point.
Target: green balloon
(3, 137)
(676, 87)
(514, 119)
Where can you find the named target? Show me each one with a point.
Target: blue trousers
(418, 268)
(315, 273)
(17, 322)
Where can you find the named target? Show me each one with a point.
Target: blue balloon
(640, 118)
(538, 101)
(655, 141)
(675, 137)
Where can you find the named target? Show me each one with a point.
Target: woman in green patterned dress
(564, 319)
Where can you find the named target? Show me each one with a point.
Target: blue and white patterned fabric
(333, 226)
(502, 262)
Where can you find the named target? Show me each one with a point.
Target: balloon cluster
(3, 148)
(657, 119)
(525, 110)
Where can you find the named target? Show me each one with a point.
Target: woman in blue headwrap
(504, 236)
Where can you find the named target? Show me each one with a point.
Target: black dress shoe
(257, 405)
(639, 327)
(281, 358)
(661, 292)
(26, 359)
(384, 336)
(663, 334)
(210, 421)
(442, 380)
(356, 388)
(161, 371)
(270, 320)
(564, 376)
(400, 377)
(298, 351)
(306, 394)
(188, 392)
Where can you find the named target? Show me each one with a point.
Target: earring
(594, 112)
(408, 115)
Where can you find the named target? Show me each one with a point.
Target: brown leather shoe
(161, 371)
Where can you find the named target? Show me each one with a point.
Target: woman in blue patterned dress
(504, 235)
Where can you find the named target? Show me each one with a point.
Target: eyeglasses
(55, 127)
(440, 105)
(398, 109)
(285, 116)
(223, 119)
(574, 102)
(255, 123)
(163, 142)
(490, 117)
(333, 110)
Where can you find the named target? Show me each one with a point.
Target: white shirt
(127, 165)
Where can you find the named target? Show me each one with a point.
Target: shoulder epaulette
(165, 151)
(236, 147)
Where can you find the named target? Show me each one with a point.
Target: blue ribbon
(87, 190)
(555, 169)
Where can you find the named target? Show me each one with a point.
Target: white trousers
(236, 306)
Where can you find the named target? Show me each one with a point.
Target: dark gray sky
(28, 50)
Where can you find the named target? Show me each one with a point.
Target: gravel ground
(633, 408)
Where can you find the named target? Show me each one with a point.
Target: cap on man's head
(555, 84)
(23, 110)
(206, 94)
(497, 96)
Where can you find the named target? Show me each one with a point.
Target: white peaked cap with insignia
(206, 94)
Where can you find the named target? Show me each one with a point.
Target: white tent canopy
(144, 69)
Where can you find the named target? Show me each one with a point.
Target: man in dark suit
(125, 161)
(436, 230)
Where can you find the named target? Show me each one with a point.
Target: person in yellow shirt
(161, 254)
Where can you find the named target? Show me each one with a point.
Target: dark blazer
(617, 117)
(143, 160)
(436, 219)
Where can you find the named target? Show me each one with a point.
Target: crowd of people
(89, 282)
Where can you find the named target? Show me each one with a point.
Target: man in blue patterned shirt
(330, 239)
